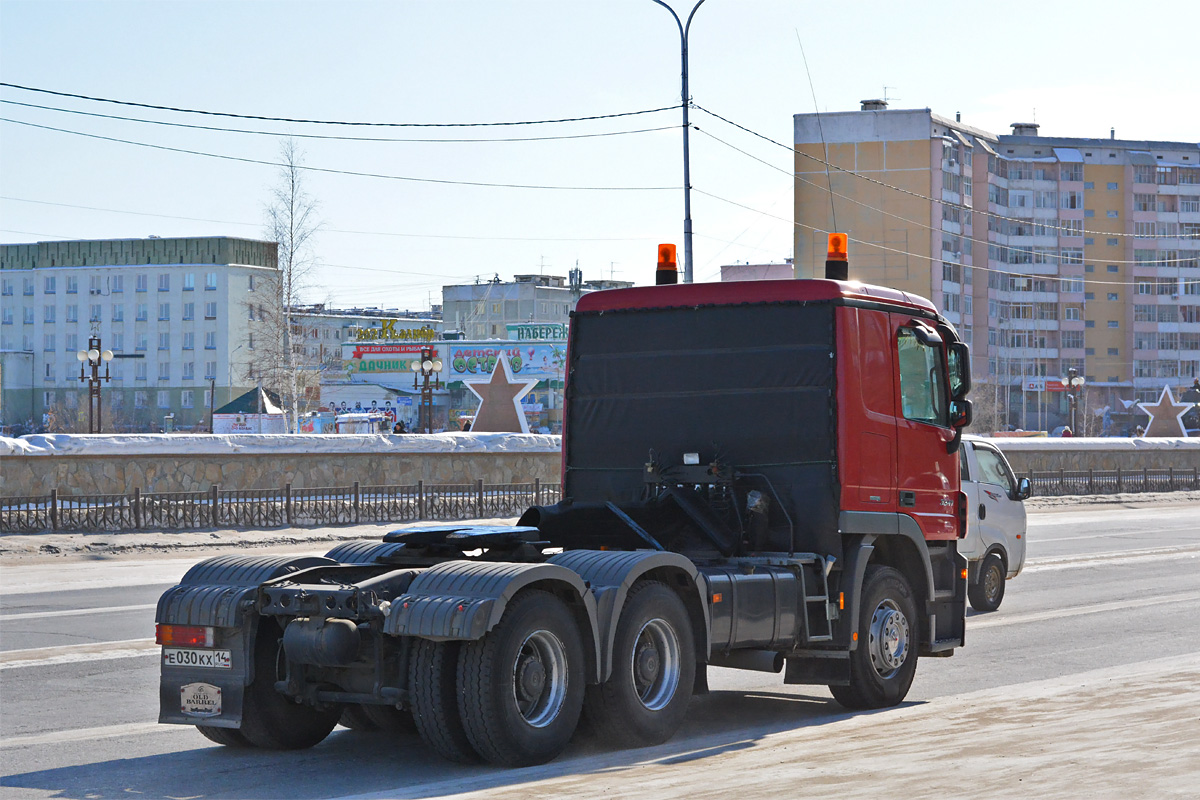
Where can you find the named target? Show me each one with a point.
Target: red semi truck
(758, 475)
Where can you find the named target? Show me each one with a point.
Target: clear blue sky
(390, 242)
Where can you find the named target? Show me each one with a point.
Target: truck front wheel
(521, 685)
(645, 699)
(986, 593)
(883, 664)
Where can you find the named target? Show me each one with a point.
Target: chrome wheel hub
(540, 678)
(889, 637)
(656, 664)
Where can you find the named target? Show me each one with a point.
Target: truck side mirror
(962, 412)
(960, 370)
(1024, 489)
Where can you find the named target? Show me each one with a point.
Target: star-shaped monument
(500, 401)
(1166, 416)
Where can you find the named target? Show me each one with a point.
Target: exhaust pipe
(757, 660)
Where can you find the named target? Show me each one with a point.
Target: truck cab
(996, 530)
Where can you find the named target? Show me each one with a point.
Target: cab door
(998, 505)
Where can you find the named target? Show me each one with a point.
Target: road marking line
(1111, 557)
(84, 734)
(975, 623)
(74, 612)
(73, 653)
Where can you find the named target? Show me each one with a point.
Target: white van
(995, 542)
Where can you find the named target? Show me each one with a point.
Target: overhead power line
(982, 212)
(336, 122)
(329, 171)
(328, 137)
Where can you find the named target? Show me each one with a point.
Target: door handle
(982, 511)
(908, 499)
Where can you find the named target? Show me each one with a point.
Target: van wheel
(271, 720)
(521, 685)
(987, 592)
(644, 701)
(883, 664)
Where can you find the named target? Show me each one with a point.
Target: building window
(208, 400)
(139, 371)
(189, 370)
(72, 342)
(164, 399)
(139, 399)
(6, 316)
(143, 312)
(1112, 323)
(49, 375)
(250, 342)
(189, 341)
(252, 283)
(210, 310)
(1111, 242)
(164, 341)
(164, 282)
(1071, 313)
(48, 314)
(210, 282)
(141, 283)
(1112, 186)
(72, 285)
(1113, 268)
(139, 342)
(118, 312)
(118, 342)
(1113, 296)
(117, 283)
(28, 316)
(48, 342)
(164, 371)
(187, 398)
(72, 313)
(189, 310)
(1114, 351)
(164, 311)
(117, 399)
(1091, 323)
(210, 370)
(251, 307)
(1113, 214)
(6, 287)
(94, 315)
(189, 284)
(210, 340)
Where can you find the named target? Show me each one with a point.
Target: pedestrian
(399, 427)
(466, 426)
(1139, 431)
(1066, 433)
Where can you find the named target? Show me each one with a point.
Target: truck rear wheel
(883, 664)
(645, 699)
(522, 684)
(269, 719)
(987, 591)
(229, 737)
(433, 693)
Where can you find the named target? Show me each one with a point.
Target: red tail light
(183, 635)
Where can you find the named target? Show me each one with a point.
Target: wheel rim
(889, 637)
(655, 664)
(540, 678)
(992, 583)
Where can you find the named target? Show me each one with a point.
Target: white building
(175, 312)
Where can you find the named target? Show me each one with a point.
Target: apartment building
(485, 310)
(1048, 253)
(175, 312)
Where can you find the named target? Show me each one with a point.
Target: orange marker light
(964, 574)
(717, 597)
(838, 247)
(854, 636)
(841, 601)
(667, 272)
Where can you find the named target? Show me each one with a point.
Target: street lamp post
(1073, 382)
(428, 366)
(687, 172)
(93, 357)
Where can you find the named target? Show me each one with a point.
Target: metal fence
(270, 508)
(1112, 481)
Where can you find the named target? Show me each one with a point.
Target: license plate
(200, 699)
(211, 659)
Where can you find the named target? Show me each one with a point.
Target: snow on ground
(147, 444)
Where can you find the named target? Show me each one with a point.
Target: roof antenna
(820, 128)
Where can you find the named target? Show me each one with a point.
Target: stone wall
(118, 464)
(1045, 454)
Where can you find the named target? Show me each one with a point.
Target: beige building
(1048, 253)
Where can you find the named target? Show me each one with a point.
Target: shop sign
(387, 331)
(538, 361)
(539, 331)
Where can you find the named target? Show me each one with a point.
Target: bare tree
(292, 222)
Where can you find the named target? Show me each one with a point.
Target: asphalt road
(1085, 683)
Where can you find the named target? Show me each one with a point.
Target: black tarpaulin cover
(749, 385)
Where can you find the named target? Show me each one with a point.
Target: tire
(883, 664)
(269, 719)
(522, 685)
(987, 591)
(390, 719)
(433, 694)
(645, 699)
(229, 737)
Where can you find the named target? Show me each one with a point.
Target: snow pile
(158, 444)
(1108, 444)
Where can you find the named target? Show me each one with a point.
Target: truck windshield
(921, 379)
